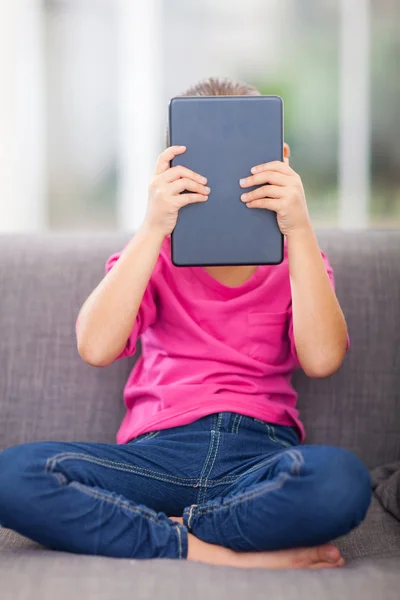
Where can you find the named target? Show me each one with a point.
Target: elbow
(323, 368)
(90, 356)
(319, 371)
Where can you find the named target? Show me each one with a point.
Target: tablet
(225, 136)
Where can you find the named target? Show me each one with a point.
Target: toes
(325, 565)
(326, 557)
(328, 553)
(320, 557)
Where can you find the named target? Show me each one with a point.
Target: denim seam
(116, 465)
(190, 516)
(124, 504)
(214, 425)
(273, 438)
(234, 423)
(117, 502)
(238, 423)
(267, 461)
(294, 465)
(52, 463)
(62, 480)
(210, 448)
(148, 436)
(178, 533)
(271, 432)
(215, 455)
(245, 496)
(297, 462)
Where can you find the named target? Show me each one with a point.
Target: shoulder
(163, 261)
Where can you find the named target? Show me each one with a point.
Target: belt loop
(235, 423)
(234, 417)
(238, 423)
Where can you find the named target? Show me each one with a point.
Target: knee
(18, 466)
(344, 489)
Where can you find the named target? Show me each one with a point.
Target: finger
(286, 160)
(275, 165)
(188, 184)
(179, 171)
(268, 203)
(267, 191)
(163, 162)
(185, 199)
(264, 177)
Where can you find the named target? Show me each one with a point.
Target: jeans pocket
(145, 436)
(283, 435)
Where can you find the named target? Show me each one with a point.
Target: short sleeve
(146, 314)
(293, 350)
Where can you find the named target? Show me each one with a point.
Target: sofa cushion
(46, 392)
(386, 483)
(358, 408)
(45, 575)
(377, 536)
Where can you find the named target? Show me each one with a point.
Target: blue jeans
(238, 482)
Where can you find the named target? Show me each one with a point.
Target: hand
(284, 194)
(165, 197)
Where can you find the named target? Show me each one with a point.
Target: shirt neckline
(203, 275)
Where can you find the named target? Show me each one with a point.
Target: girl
(209, 464)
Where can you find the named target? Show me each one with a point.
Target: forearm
(319, 326)
(107, 317)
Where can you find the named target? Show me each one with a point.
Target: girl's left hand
(281, 191)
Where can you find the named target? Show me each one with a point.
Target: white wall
(22, 109)
(141, 71)
(82, 111)
(117, 115)
(354, 115)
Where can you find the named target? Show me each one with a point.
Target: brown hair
(214, 86)
(221, 87)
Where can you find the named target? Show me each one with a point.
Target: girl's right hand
(165, 197)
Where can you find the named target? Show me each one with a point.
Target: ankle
(210, 553)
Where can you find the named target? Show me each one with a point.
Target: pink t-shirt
(208, 347)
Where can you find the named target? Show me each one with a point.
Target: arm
(319, 327)
(108, 316)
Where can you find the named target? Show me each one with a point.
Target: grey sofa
(46, 392)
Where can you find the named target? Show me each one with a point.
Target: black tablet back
(225, 136)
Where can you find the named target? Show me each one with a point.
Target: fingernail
(207, 189)
(243, 197)
(242, 181)
(204, 179)
(253, 169)
(182, 147)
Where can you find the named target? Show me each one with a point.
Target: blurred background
(85, 86)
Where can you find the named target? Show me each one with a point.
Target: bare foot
(178, 519)
(320, 557)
